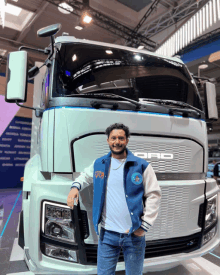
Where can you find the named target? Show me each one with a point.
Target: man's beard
(118, 152)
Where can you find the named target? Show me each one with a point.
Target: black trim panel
(21, 231)
(155, 248)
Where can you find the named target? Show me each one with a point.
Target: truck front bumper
(48, 265)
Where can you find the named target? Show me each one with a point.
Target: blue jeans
(109, 247)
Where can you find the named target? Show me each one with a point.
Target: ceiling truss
(109, 24)
(139, 25)
(171, 17)
(25, 31)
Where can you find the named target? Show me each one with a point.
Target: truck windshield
(86, 69)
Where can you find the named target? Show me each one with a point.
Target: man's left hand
(139, 232)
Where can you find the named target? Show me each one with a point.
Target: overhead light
(65, 8)
(203, 66)
(15, 0)
(140, 47)
(87, 18)
(109, 52)
(78, 28)
(12, 9)
(74, 57)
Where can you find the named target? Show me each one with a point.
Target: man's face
(117, 141)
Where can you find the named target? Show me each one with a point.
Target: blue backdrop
(15, 146)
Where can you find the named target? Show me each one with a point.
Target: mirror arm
(38, 112)
(205, 78)
(45, 51)
(52, 46)
(48, 61)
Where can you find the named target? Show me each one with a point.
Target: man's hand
(73, 194)
(139, 232)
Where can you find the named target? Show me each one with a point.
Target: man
(118, 202)
(216, 170)
(214, 161)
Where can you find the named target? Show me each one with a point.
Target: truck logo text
(153, 155)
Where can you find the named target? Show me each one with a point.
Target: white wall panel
(201, 22)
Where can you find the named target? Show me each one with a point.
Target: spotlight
(201, 67)
(87, 18)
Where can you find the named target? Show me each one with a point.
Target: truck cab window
(86, 69)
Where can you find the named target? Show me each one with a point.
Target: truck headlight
(208, 236)
(57, 222)
(61, 253)
(211, 212)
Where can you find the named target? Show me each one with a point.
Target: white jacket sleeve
(85, 178)
(152, 194)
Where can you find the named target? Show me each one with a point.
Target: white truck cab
(84, 87)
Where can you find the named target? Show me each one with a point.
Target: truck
(83, 87)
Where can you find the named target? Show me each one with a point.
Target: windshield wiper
(185, 112)
(137, 104)
(172, 102)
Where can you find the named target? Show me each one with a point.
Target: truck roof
(63, 39)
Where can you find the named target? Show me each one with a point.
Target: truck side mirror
(16, 76)
(49, 30)
(211, 109)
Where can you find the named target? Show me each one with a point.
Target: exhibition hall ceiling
(155, 20)
(37, 14)
(137, 5)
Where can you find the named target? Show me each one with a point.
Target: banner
(15, 146)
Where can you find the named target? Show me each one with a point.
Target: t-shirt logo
(99, 174)
(137, 178)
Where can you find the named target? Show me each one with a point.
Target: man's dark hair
(117, 126)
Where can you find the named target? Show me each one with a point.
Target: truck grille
(154, 248)
(173, 213)
(187, 155)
